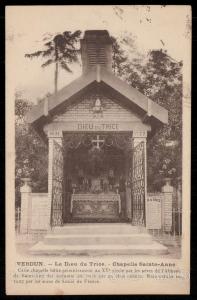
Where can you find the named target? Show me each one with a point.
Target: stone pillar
(138, 137)
(167, 191)
(53, 135)
(26, 207)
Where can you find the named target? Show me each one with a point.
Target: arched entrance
(95, 177)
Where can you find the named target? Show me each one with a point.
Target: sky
(154, 27)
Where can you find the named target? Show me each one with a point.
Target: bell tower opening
(96, 49)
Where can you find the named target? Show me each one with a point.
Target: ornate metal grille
(74, 140)
(138, 185)
(57, 185)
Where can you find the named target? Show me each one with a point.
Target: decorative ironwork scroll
(75, 140)
(57, 185)
(138, 185)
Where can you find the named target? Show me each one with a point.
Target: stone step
(96, 250)
(101, 228)
(98, 239)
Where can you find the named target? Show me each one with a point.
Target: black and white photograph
(98, 149)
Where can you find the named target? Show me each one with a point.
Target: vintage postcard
(98, 149)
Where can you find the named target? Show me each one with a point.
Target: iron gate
(57, 185)
(138, 185)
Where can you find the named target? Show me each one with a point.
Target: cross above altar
(98, 141)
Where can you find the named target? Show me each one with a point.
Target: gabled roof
(96, 75)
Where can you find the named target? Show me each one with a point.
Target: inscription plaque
(97, 127)
(153, 211)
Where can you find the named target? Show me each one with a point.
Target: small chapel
(97, 128)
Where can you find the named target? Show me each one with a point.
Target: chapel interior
(94, 164)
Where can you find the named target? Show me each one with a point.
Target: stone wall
(35, 211)
(159, 209)
(41, 210)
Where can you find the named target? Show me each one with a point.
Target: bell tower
(96, 49)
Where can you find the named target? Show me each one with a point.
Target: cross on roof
(98, 141)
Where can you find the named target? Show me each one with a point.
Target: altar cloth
(103, 205)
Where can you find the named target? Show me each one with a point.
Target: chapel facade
(97, 129)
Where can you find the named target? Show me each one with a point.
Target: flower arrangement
(167, 169)
(25, 171)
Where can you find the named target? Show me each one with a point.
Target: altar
(95, 206)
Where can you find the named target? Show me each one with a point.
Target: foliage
(118, 59)
(166, 89)
(159, 77)
(31, 152)
(21, 107)
(59, 50)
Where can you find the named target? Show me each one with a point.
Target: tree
(125, 53)
(118, 58)
(59, 50)
(164, 86)
(31, 152)
(159, 77)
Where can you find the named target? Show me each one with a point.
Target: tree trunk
(56, 76)
(56, 68)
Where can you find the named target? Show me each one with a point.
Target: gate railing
(17, 219)
(138, 185)
(176, 222)
(57, 188)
